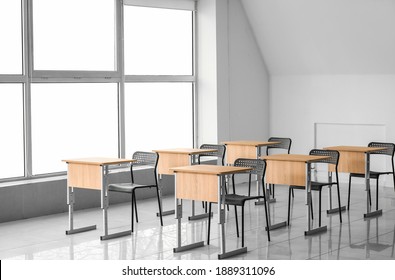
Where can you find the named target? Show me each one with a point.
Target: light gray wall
(249, 82)
(332, 69)
(363, 102)
(335, 37)
(233, 82)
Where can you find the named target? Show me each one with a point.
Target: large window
(72, 121)
(158, 115)
(11, 37)
(74, 34)
(11, 127)
(83, 78)
(158, 41)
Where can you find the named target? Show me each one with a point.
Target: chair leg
(289, 204)
(293, 193)
(339, 203)
(237, 222)
(226, 192)
(233, 184)
(319, 207)
(242, 226)
(132, 225)
(377, 194)
(311, 206)
(209, 224)
(370, 198)
(393, 177)
(249, 184)
(266, 215)
(160, 207)
(135, 207)
(349, 192)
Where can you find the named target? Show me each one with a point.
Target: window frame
(30, 76)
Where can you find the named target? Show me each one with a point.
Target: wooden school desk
(356, 159)
(90, 173)
(170, 158)
(246, 149)
(204, 183)
(292, 170)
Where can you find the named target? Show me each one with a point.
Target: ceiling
(334, 37)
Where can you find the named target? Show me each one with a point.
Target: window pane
(11, 37)
(72, 121)
(157, 41)
(158, 115)
(11, 127)
(73, 34)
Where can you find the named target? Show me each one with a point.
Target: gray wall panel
(46, 198)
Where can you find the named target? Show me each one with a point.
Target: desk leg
(275, 226)
(104, 206)
(221, 220)
(193, 217)
(178, 212)
(369, 213)
(310, 231)
(70, 202)
(168, 212)
(258, 189)
(332, 210)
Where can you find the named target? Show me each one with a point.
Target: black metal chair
(284, 144)
(389, 151)
(317, 186)
(148, 159)
(219, 154)
(258, 168)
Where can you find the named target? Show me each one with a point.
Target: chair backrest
(285, 143)
(258, 165)
(219, 153)
(389, 151)
(149, 159)
(334, 156)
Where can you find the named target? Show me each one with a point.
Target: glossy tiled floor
(44, 238)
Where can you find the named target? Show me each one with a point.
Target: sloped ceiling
(335, 37)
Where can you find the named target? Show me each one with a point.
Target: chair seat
(126, 187)
(315, 186)
(239, 200)
(373, 174)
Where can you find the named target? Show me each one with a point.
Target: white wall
(309, 37)
(298, 102)
(248, 80)
(233, 83)
(206, 72)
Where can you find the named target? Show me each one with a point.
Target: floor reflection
(356, 238)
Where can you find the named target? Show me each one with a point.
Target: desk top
(294, 157)
(99, 161)
(211, 169)
(250, 143)
(188, 151)
(360, 149)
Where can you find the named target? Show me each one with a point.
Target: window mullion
(120, 56)
(27, 71)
